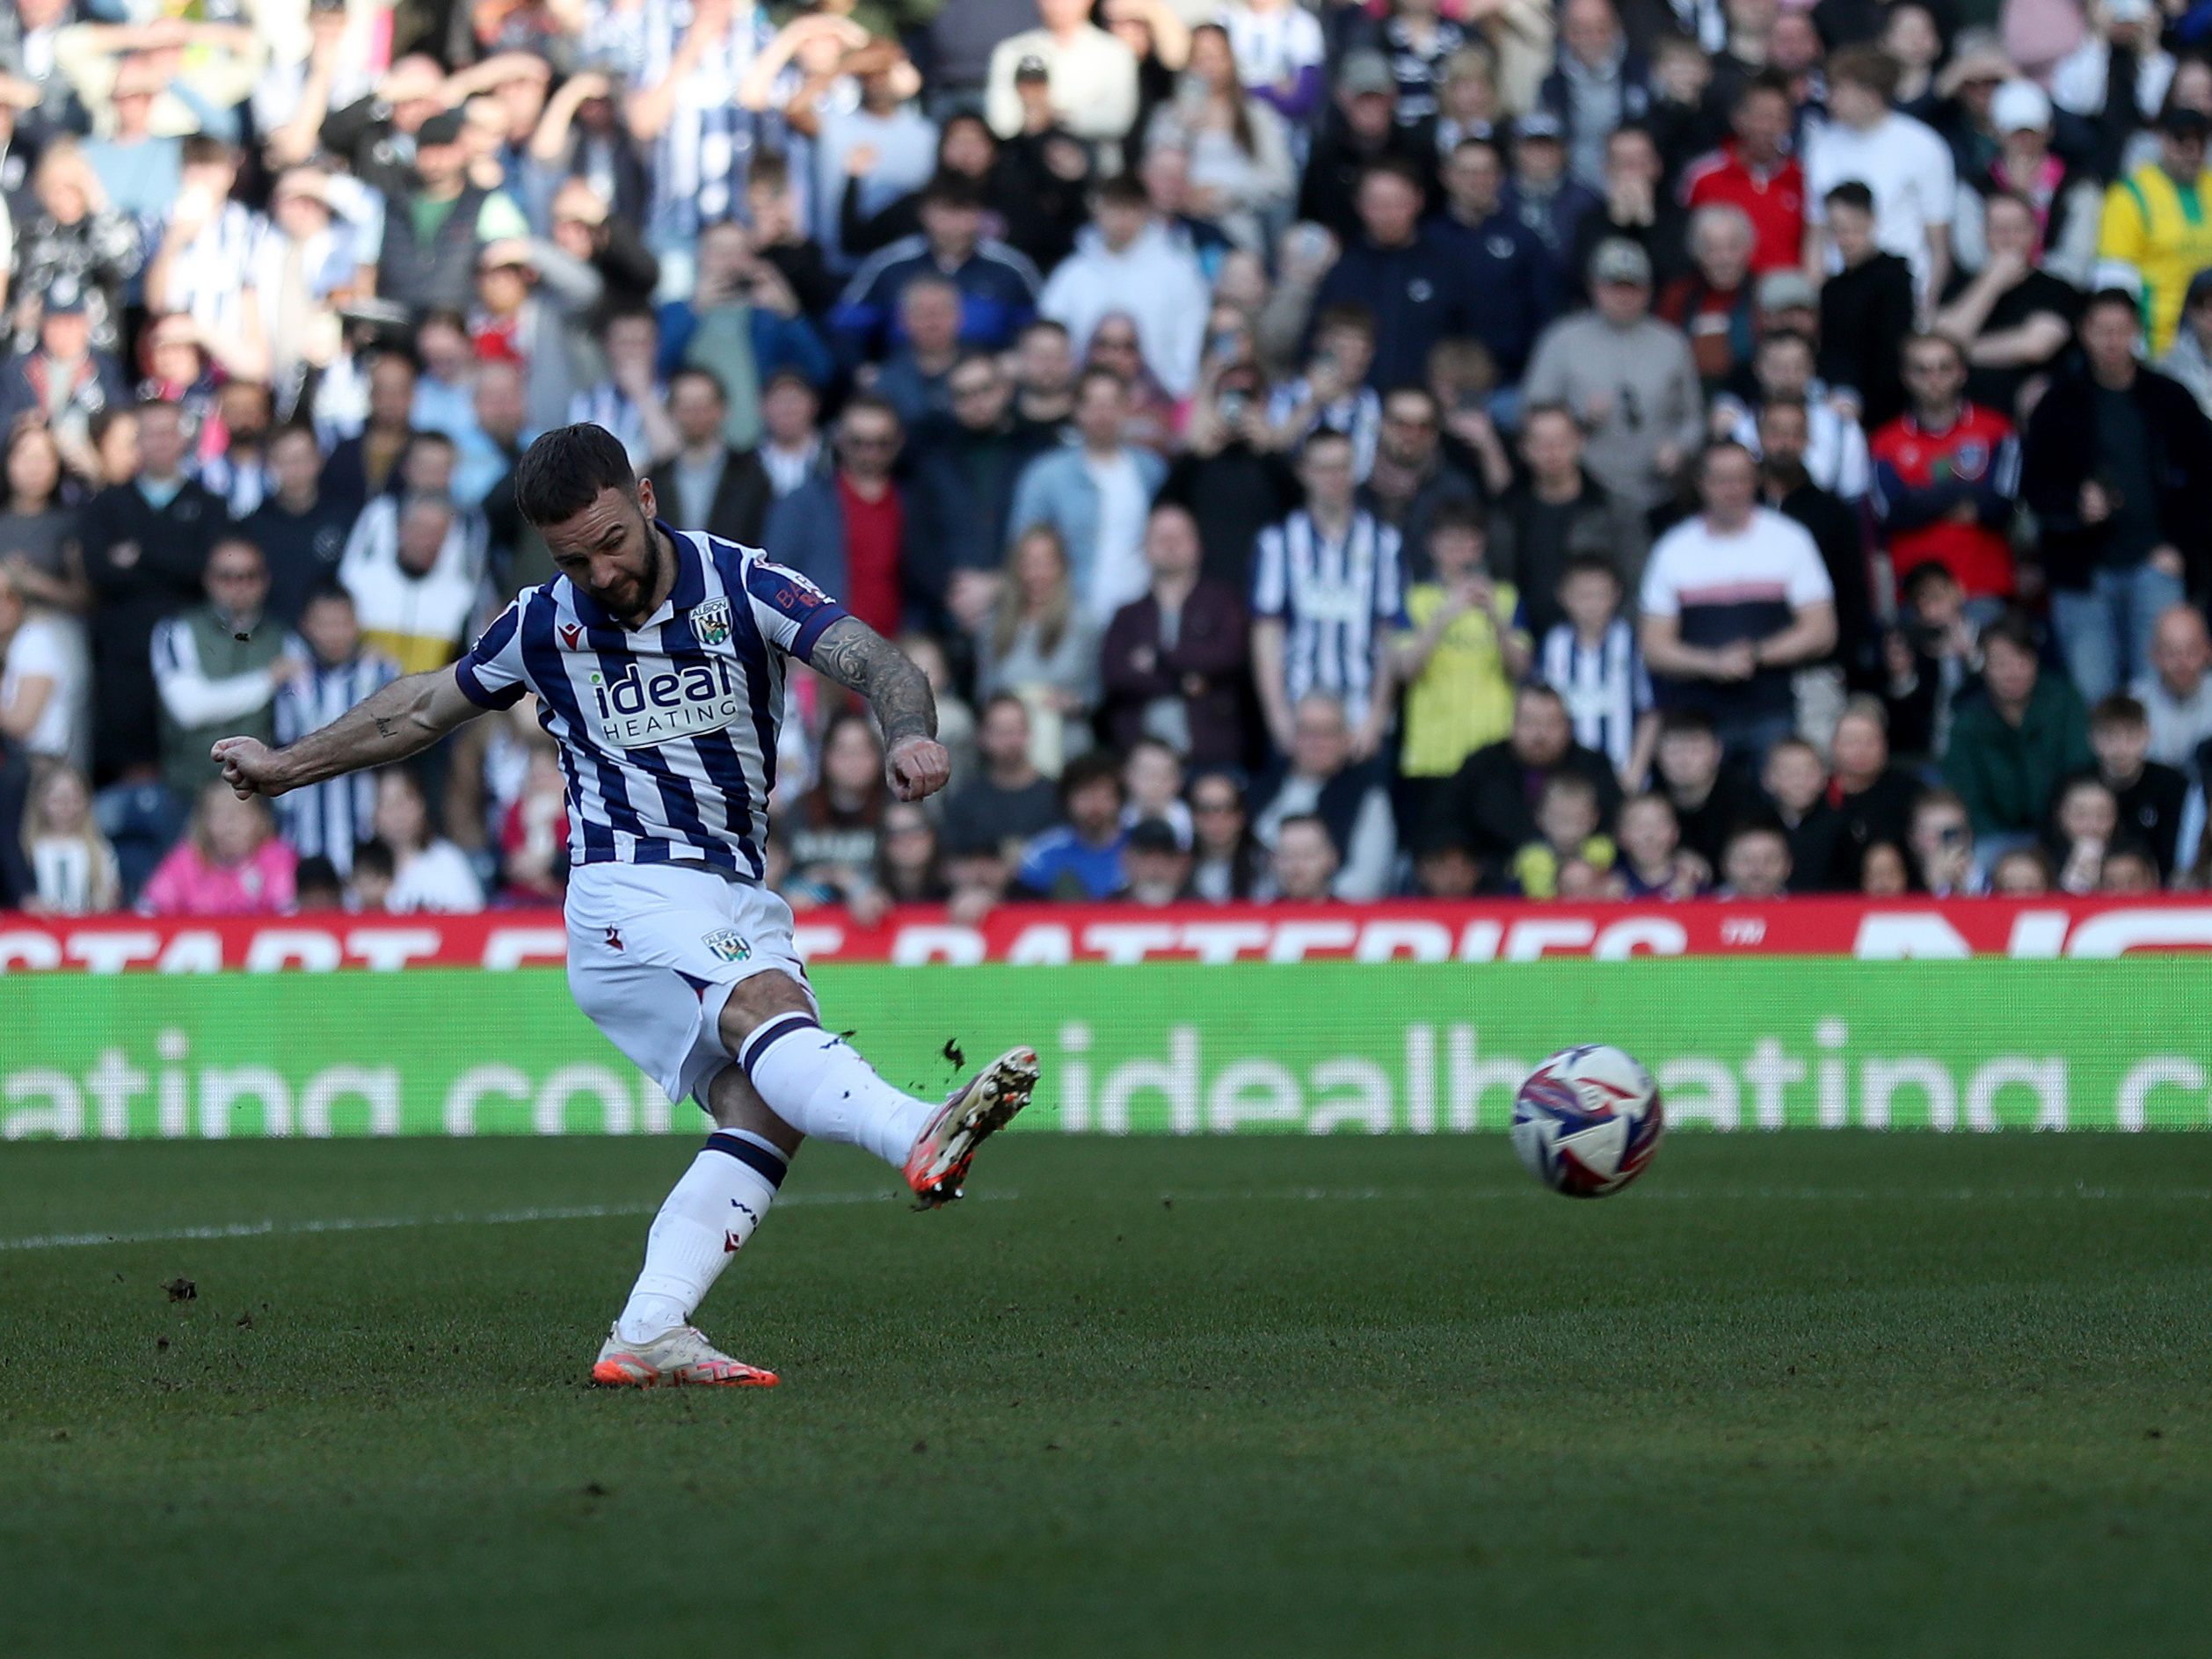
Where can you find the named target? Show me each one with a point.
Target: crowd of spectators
(1571, 448)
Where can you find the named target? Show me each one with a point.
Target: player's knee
(753, 1002)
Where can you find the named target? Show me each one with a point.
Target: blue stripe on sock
(770, 1167)
(783, 1025)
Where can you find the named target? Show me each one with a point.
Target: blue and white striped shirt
(333, 817)
(667, 734)
(1334, 599)
(1604, 686)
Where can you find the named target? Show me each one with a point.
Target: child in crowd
(1447, 870)
(374, 870)
(71, 861)
(2150, 798)
(1566, 818)
(1464, 657)
(2128, 872)
(1928, 656)
(1651, 864)
(1882, 873)
(316, 886)
(229, 863)
(1151, 777)
(1333, 391)
(2081, 831)
(1593, 662)
(325, 819)
(2022, 873)
(1796, 784)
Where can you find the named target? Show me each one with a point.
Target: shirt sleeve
(1809, 580)
(1390, 598)
(1659, 598)
(791, 612)
(490, 674)
(1270, 580)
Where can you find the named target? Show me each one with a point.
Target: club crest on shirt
(711, 622)
(728, 944)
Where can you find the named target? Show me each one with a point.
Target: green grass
(1810, 1393)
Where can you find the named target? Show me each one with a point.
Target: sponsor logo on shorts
(729, 944)
(711, 622)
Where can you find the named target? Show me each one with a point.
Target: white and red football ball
(1588, 1120)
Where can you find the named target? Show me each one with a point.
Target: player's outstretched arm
(405, 717)
(857, 656)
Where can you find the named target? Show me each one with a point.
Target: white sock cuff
(765, 1036)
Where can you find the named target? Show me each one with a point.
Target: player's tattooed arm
(403, 718)
(857, 656)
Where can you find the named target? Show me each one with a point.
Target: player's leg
(712, 1212)
(818, 1083)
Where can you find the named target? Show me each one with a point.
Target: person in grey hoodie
(1628, 376)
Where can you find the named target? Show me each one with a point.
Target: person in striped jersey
(657, 657)
(328, 820)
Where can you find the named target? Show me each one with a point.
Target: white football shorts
(653, 951)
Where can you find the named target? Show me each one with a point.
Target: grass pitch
(1804, 1394)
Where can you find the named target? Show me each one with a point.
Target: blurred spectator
(1833, 450)
(1627, 376)
(2082, 822)
(1240, 170)
(2127, 871)
(1591, 660)
(360, 467)
(1081, 858)
(2023, 873)
(533, 302)
(501, 433)
(1324, 781)
(534, 836)
(1650, 864)
(1405, 273)
(1011, 802)
(62, 383)
(2176, 693)
(1566, 834)
(1156, 866)
(1549, 204)
(45, 681)
(1783, 432)
(1872, 800)
(1462, 655)
(437, 225)
(1151, 782)
(1946, 475)
(1756, 172)
(1708, 801)
(2119, 472)
(1505, 271)
(73, 867)
(218, 667)
(706, 484)
(1884, 873)
(1126, 261)
(1359, 130)
(1928, 659)
(2010, 745)
(2153, 240)
(1636, 208)
(1333, 392)
(1906, 167)
(1599, 83)
(1091, 75)
(1757, 864)
(1229, 477)
(1714, 303)
(317, 886)
(371, 885)
(1040, 644)
(2150, 798)
(429, 873)
(1489, 805)
(966, 470)
(328, 820)
(2012, 318)
(914, 377)
(1280, 53)
(1795, 781)
(791, 446)
(413, 575)
(632, 401)
(229, 863)
(1555, 513)
(1413, 480)
(1228, 862)
(845, 530)
(71, 230)
(1734, 600)
(1866, 310)
(1094, 496)
(1327, 589)
(42, 535)
(146, 547)
(1173, 663)
(1303, 867)
(994, 287)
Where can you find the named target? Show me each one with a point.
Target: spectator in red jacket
(1947, 476)
(1754, 171)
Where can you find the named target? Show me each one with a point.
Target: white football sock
(819, 1085)
(705, 1219)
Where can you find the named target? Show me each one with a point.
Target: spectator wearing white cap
(2065, 204)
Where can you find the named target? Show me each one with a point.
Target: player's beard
(629, 598)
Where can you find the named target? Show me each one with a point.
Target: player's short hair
(564, 470)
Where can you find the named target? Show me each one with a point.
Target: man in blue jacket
(1506, 279)
(1403, 270)
(997, 285)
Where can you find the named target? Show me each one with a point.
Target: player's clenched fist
(917, 767)
(245, 763)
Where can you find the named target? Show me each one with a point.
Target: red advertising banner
(1045, 934)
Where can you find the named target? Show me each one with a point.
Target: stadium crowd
(1629, 448)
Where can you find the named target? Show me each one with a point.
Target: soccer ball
(1588, 1120)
